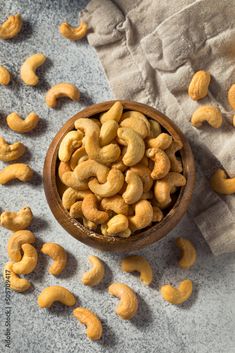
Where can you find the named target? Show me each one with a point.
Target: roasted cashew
(91, 168)
(59, 256)
(5, 76)
(16, 123)
(87, 126)
(16, 283)
(116, 204)
(207, 113)
(96, 274)
(137, 122)
(53, 294)
(157, 214)
(143, 215)
(70, 196)
(162, 163)
(11, 27)
(70, 178)
(221, 183)
(177, 295)
(155, 128)
(91, 211)
(134, 188)
(29, 67)
(117, 224)
(78, 156)
(18, 171)
(76, 210)
(176, 164)
(198, 87)
(94, 327)
(62, 89)
(164, 187)
(231, 96)
(189, 254)
(135, 146)
(162, 141)
(111, 187)
(17, 220)
(73, 33)
(140, 264)
(108, 132)
(145, 174)
(128, 305)
(114, 113)
(11, 152)
(71, 141)
(28, 262)
(89, 224)
(16, 241)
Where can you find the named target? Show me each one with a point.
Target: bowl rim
(145, 237)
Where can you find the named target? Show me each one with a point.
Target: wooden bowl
(148, 235)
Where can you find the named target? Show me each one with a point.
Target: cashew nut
(207, 113)
(137, 122)
(18, 171)
(117, 224)
(91, 168)
(11, 27)
(89, 224)
(176, 164)
(29, 67)
(91, 212)
(62, 89)
(73, 33)
(189, 254)
(231, 96)
(87, 317)
(108, 132)
(78, 156)
(70, 178)
(221, 183)
(16, 283)
(155, 128)
(17, 220)
(10, 152)
(70, 196)
(164, 187)
(71, 141)
(198, 87)
(114, 113)
(28, 262)
(96, 274)
(145, 174)
(128, 305)
(116, 204)
(134, 188)
(140, 264)
(5, 76)
(135, 146)
(162, 141)
(53, 294)
(16, 241)
(16, 123)
(111, 187)
(177, 295)
(59, 256)
(76, 210)
(162, 163)
(157, 214)
(143, 215)
(87, 126)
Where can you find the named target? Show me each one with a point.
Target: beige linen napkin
(149, 51)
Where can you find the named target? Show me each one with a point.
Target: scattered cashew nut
(53, 294)
(17, 124)
(11, 27)
(221, 183)
(140, 264)
(16, 241)
(189, 254)
(62, 89)
(16, 283)
(96, 274)
(28, 262)
(18, 171)
(128, 305)
(29, 67)
(231, 96)
(177, 295)
(5, 76)
(73, 33)
(207, 113)
(59, 256)
(11, 152)
(198, 87)
(94, 327)
(17, 220)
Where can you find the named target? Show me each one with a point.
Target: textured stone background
(204, 324)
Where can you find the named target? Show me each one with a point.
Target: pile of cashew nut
(118, 171)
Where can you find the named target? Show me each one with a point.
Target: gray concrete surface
(206, 323)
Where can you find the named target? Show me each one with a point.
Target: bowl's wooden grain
(145, 237)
